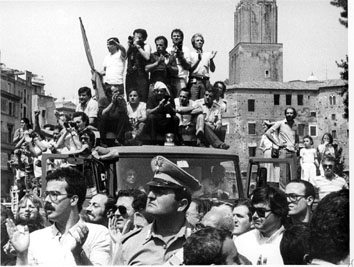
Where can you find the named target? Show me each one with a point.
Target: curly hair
(329, 236)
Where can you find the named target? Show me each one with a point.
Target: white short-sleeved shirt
(139, 112)
(91, 108)
(114, 65)
(45, 247)
(252, 244)
(327, 186)
(308, 155)
(203, 66)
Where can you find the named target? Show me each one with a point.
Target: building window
(301, 129)
(10, 109)
(24, 96)
(24, 112)
(288, 100)
(276, 99)
(334, 134)
(300, 100)
(330, 100)
(3, 105)
(313, 130)
(313, 114)
(334, 100)
(251, 151)
(333, 117)
(250, 104)
(251, 128)
(266, 74)
(10, 128)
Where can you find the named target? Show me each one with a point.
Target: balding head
(220, 218)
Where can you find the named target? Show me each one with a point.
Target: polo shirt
(326, 186)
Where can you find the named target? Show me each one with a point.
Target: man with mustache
(162, 66)
(285, 131)
(100, 207)
(69, 241)
(168, 200)
(262, 245)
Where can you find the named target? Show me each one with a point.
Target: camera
(69, 124)
(130, 40)
(167, 98)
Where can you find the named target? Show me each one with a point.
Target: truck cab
(217, 170)
(257, 173)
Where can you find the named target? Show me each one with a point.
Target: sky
(44, 37)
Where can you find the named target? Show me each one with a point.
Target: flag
(96, 77)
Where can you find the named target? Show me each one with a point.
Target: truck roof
(182, 150)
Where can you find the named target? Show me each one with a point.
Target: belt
(200, 78)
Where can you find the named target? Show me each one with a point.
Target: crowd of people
(167, 226)
(320, 166)
(167, 94)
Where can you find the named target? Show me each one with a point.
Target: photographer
(69, 140)
(162, 66)
(161, 113)
(113, 118)
(138, 55)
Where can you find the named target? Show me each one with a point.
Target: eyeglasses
(325, 166)
(53, 195)
(292, 197)
(122, 210)
(261, 212)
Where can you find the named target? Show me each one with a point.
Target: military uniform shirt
(146, 247)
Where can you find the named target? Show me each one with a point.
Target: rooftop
(291, 85)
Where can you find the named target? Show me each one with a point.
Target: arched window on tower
(330, 100)
(334, 100)
(266, 74)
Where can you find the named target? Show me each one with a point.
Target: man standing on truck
(286, 131)
(168, 200)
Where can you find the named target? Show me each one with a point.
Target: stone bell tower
(256, 56)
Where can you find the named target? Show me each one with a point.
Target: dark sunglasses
(325, 166)
(122, 210)
(261, 212)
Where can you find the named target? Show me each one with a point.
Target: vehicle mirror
(75, 160)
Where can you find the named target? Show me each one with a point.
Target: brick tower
(256, 56)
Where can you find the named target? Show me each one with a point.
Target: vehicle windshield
(217, 176)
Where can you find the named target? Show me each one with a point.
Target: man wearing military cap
(168, 200)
